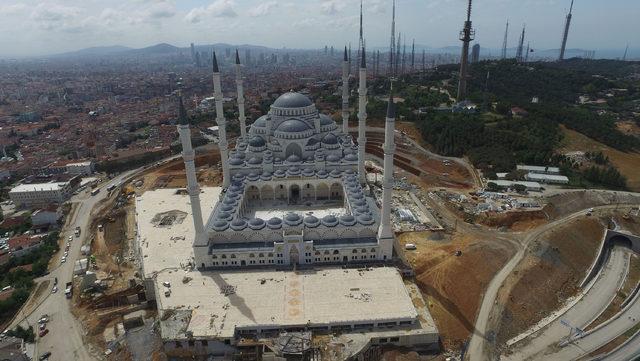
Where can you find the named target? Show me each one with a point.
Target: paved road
(477, 346)
(628, 351)
(599, 337)
(65, 337)
(596, 300)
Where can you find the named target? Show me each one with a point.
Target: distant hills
(168, 49)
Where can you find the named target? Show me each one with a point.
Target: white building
(538, 169)
(81, 168)
(547, 178)
(40, 194)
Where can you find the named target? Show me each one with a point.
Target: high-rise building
(475, 53)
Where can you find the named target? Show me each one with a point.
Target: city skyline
(34, 28)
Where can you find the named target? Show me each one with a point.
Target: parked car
(410, 246)
(44, 319)
(42, 333)
(54, 289)
(42, 326)
(45, 356)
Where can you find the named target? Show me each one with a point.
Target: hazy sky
(32, 27)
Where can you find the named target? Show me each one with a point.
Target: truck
(68, 291)
(95, 191)
(77, 231)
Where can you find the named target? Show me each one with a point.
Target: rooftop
(168, 244)
(274, 299)
(37, 187)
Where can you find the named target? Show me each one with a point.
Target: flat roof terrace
(165, 226)
(217, 304)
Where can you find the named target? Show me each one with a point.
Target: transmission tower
(504, 42)
(466, 36)
(566, 33)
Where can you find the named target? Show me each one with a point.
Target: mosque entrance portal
(294, 196)
(294, 255)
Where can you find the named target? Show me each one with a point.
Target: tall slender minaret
(392, 46)
(413, 55)
(398, 53)
(362, 116)
(345, 93)
(188, 155)
(565, 34)
(385, 231)
(240, 91)
(361, 39)
(222, 123)
(519, 55)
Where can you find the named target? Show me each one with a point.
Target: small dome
(274, 223)
(330, 220)
(311, 221)
(335, 173)
(330, 139)
(350, 172)
(236, 161)
(292, 100)
(322, 174)
(256, 223)
(239, 177)
(265, 176)
(308, 172)
(279, 173)
(293, 219)
(226, 208)
(359, 202)
(230, 202)
(312, 141)
(220, 225)
(333, 158)
(293, 159)
(238, 224)
(254, 160)
(351, 158)
(293, 126)
(253, 176)
(365, 219)
(325, 120)
(293, 171)
(257, 142)
(224, 215)
(347, 220)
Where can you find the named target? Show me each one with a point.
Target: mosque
(292, 188)
(294, 244)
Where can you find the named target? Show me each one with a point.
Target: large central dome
(292, 100)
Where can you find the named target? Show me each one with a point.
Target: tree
(492, 187)
(519, 188)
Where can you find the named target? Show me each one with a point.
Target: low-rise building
(46, 216)
(538, 169)
(24, 244)
(547, 178)
(81, 168)
(40, 194)
(12, 349)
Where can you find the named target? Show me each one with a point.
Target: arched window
(326, 252)
(233, 255)
(363, 250)
(373, 250)
(261, 255)
(214, 257)
(354, 251)
(336, 252)
(251, 255)
(224, 256)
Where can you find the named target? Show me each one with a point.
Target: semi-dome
(293, 126)
(220, 225)
(292, 100)
(351, 158)
(293, 158)
(260, 122)
(257, 142)
(330, 139)
(365, 219)
(333, 158)
(326, 120)
(254, 160)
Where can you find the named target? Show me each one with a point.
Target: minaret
(222, 123)
(193, 189)
(392, 46)
(362, 116)
(345, 93)
(240, 91)
(504, 42)
(385, 232)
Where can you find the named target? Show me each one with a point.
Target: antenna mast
(504, 42)
(566, 33)
(466, 35)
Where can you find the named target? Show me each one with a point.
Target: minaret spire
(362, 116)
(345, 92)
(392, 46)
(188, 155)
(222, 123)
(385, 231)
(240, 92)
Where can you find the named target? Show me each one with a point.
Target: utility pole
(504, 42)
(565, 35)
(466, 36)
